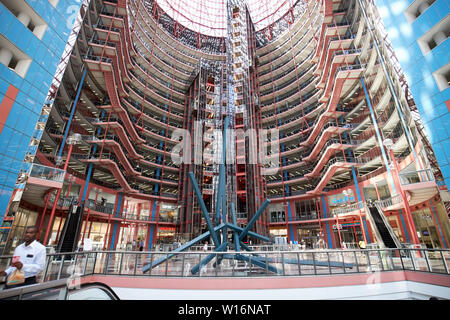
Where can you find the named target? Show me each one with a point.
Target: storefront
(347, 235)
(278, 231)
(309, 235)
(166, 234)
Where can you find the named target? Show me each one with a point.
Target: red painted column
(6, 105)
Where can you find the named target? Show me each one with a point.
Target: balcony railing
(382, 204)
(288, 263)
(47, 173)
(419, 176)
(348, 209)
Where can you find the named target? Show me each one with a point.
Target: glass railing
(382, 204)
(290, 262)
(47, 173)
(348, 208)
(416, 176)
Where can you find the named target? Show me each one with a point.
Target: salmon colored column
(6, 105)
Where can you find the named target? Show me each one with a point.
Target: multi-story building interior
(151, 80)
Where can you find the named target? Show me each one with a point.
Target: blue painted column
(402, 219)
(287, 189)
(391, 87)
(116, 224)
(72, 112)
(327, 225)
(438, 225)
(360, 199)
(91, 165)
(380, 140)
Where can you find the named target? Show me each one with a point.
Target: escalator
(68, 241)
(383, 230)
(59, 290)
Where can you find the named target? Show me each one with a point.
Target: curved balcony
(291, 88)
(164, 38)
(336, 37)
(282, 40)
(143, 50)
(152, 119)
(150, 104)
(288, 50)
(305, 101)
(305, 67)
(273, 71)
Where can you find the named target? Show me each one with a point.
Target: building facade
(33, 37)
(419, 33)
(317, 73)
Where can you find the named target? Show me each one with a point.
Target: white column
(439, 37)
(5, 56)
(24, 18)
(424, 6)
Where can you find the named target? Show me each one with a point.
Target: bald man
(30, 257)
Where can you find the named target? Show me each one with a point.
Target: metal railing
(48, 173)
(419, 176)
(288, 263)
(382, 204)
(348, 208)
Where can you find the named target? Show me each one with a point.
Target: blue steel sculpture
(222, 226)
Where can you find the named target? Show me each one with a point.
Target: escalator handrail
(56, 284)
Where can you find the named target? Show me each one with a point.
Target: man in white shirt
(31, 259)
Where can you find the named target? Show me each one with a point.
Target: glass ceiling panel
(209, 16)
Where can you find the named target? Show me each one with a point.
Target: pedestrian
(134, 245)
(29, 257)
(205, 246)
(141, 245)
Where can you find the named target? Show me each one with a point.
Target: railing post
(412, 259)
(135, 262)
(167, 265)
(47, 264)
(444, 261)
(282, 263)
(401, 259)
(199, 261)
(95, 262)
(314, 263)
(120, 262)
(61, 266)
(425, 253)
(381, 259)
(107, 262)
(150, 263)
(356, 261)
(368, 260)
(391, 253)
(329, 263)
(182, 263)
(85, 263)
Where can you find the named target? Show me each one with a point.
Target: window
(442, 77)
(416, 9)
(435, 36)
(54, 3)
(13, 58)
(27, 16)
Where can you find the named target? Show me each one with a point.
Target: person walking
(30, 257)
(141, 245)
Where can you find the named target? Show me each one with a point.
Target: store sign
(339, 226)
(340, 199)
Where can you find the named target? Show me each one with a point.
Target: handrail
(291, 257)
(47, 173)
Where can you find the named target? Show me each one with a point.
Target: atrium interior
(287, 125)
